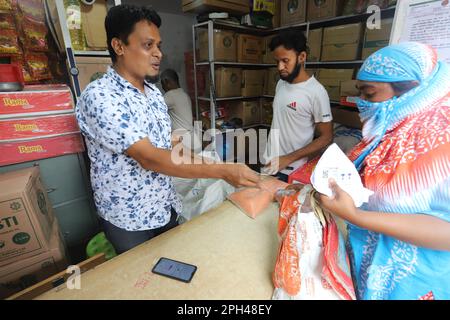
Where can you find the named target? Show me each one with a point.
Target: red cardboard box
(28, 128)
(29, 150)
(36, 99)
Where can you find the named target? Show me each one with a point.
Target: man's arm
(325, 138)
(172, 164)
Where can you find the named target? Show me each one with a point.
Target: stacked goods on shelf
(227, 82)
(248, 111)
(315, 44)
(38, 123)
(349, 93)
(331, 79)
(376, 39)
(319, 10)
(252, 83)
(292, 12)
(270, 81)
(224, 43)
(239, 7)
(341, 43)
(91, 68)
(266, 112)
(23, 38)
(267, 55)
(31, 247)
(360, 6)
(249, 48)
(202, 72)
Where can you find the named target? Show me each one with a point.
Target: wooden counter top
(235, 256)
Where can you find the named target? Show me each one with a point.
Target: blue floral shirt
(113, 115)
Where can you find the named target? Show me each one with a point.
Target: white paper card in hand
(335, 164)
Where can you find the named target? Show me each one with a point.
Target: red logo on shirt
(292, 105)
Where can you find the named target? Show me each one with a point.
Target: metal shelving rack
(70, 53)
(306, 26)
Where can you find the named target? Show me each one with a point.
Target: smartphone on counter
(174, 269)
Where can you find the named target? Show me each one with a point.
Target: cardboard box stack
(224, 43)
(249, 48)
(38, 123)
(267, 54)
(227, 82)
(319, 10)
(90, 69)
(341, 43)
(292, 12)
(331, 79)
(270, 81)
(376, 39)
(248, 111)
(315, 44)
(202, 6)
(31, 247)
(348, 93)
(267, 112)
(252, 83)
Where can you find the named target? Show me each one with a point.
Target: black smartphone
(174, 269)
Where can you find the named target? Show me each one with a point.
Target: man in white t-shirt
(301, 107)
(180, 109)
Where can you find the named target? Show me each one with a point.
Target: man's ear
(301, 59)
(117, 46)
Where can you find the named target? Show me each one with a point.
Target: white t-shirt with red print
(296, 109)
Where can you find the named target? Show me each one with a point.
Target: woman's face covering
(375, 91)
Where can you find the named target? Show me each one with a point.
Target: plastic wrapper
(33, 9)
(37, 64)
(9, 42)
(30, 150)
(7, 21)
(36, 100)
(26, 74)
(33, 35)
(5, 5)
(37, 127)
(335, 164)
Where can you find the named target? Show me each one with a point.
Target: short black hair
(170, 74)
(120, 21)
(291, 40)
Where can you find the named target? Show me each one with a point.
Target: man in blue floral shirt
(125, 122)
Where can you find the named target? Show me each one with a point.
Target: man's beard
(152, 79)
(291, 76)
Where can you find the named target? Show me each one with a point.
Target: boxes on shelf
(24, 273)
(34, 149)
(28, 128)
(331, 79)
(249, 48)
(202, 6)
(349, 93)
(26, 215)
(248, 111)
(292, 12)
(341, 43)
(93, 20)
(270, 81)
(267, 55)
(376, 39)
(36, 100)
(315, 44)
(252, 83)
(224, 43)
(346, 117)
(267, 112)
(318, 10)
(277, 14)
(91, 68)
(227, 82)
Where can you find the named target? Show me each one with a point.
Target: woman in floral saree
(399, 242)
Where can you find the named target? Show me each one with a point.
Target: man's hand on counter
(239, 175)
